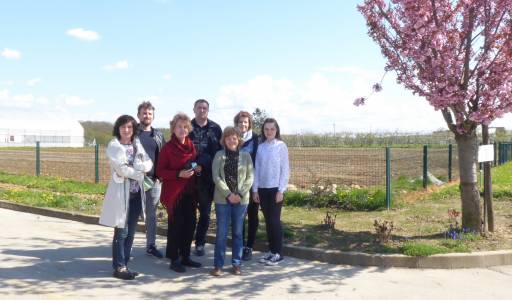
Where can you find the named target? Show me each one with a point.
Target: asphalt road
(48, 258)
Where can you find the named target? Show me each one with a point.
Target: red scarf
(173, 158)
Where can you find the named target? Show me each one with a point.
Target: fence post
(495, 153)
(388, 177)
(38, 159)
(500, 153)
(450, 148)
(96, 163)
(505, 152)
(425, 167)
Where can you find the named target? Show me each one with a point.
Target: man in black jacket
(206, 136)
(152, 140)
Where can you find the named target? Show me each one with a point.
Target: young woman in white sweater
(271, 175)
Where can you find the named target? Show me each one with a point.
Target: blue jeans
(123, 237)
(226, 214)
(150, 221)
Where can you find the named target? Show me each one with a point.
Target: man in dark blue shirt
(206, 136)
(152, 140)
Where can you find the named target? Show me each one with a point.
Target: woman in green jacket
(232, 173)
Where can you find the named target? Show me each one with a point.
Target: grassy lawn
(420, 220)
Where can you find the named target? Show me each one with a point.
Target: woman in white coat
(124, 199)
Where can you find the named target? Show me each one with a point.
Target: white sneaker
(265, 257)
(274, 260)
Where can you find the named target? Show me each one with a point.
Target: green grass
(54, 200)
(54, 184)
(343, 198)
(420, 223)
(406, 183)
(422, 248)
(502, 181)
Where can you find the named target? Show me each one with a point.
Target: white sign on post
(486, 153)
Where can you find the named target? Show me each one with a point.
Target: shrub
(383, 230)
(343, 198)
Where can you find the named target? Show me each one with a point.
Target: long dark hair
(278, 131)
(120, 122)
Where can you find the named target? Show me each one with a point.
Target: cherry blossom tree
(457, 54)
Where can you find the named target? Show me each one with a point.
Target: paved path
(48, 258)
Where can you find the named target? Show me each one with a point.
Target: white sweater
(272, 168)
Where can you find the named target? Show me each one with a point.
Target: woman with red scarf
(176, 168)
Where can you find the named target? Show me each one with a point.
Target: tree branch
(449, 120)
(467, 50)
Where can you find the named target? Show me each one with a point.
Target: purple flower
(377, 87)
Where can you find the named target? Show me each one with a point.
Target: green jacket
(245, 177)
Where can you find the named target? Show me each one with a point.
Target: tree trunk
(470, 196)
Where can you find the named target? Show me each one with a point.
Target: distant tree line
(101, 132)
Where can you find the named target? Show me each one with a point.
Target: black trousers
(181, 228)
(272, 213)
(253, 223)
(204, 202)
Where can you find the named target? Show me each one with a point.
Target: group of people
(237, 170)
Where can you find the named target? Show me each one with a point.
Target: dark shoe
(153, 251)
(216, 272)
(186, 261)
(274, 260)
(247, 254)
(199, 250)
(177, 267)
(123, 273)
(265, 258)
(236, 270)
(135, 273)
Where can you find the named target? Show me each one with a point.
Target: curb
(439, 261)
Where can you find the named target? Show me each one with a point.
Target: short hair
(198, 101)
(243, 114)
(122, 120)
(278, 131)
(230, 131)
(180, 117)
(145, 105)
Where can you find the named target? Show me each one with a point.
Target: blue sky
(304, 62)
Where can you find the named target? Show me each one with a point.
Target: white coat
(117, 196)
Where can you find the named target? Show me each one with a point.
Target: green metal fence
(394, 170)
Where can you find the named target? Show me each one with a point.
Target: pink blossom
(359, 101)
(377, 87)
(425, 45)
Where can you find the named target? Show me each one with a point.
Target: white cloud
(75, 101)
(167, 76)
(326, 98)
(42, 100)
(11, 54)
(34, 81)
(83, 34)
(16, 101)
(120, 65)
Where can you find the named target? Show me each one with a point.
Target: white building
(50, 133)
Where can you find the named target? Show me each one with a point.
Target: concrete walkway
(49, 258)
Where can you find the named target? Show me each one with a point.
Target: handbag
(148, 183)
